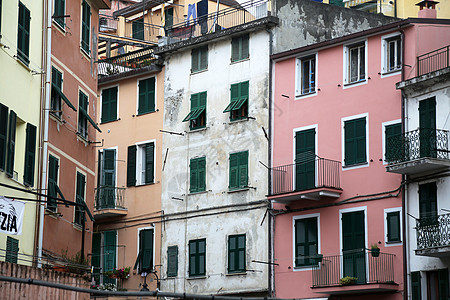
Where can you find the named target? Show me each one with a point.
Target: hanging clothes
(191, 12)
(202, 11)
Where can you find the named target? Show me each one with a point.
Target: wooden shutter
(416, 293)
(138, 29)
(195, 66)
(149, 162)
(131, 165)
(109, 250)
(59, 12)
(99, 168)
(3, 134)
(53, 167)
(12, 250)
(245, 47)
(235, 44)
(30, 150)
(204, 58)
(146, 249)
(427, 113)
(234, 171)
(172, 261)
(146, 96)
(391, 132)
(85, 26)
(109, 104)
(306, 240)
(443, 284)
(193, 176)
(11, 144)
(236, 253)
(393, 226)
(355, 141)
(79, 196)
(202, 99)
(243, 169)
(109, 167)
(360, 136)
(201, 172)
(201, 257)
(168, 17)
(23, 34)
(427, 200)
(96, 255)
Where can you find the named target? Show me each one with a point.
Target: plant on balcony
(374, 250)
(347, 280)
(123, 273)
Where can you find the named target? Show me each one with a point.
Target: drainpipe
(48, 66)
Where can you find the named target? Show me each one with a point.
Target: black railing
(126, 62)
(107, 197)
(433, 231)
(360, 265)
(419, 143)
(222, 19)
(312, 174)
(433, 61)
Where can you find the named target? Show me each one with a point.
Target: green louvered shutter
(361, 140)
(194, 101)
(428, 200)
(59, 12)
(96, 255)
(23, 34)
(109, 104)
(355, 141)
(30, 151)
(204, 58)
(109, 250)
(235, 49)
(202, 99)
(172, 261)
(138, 29)
(146, 249)
(53, 167)
(3, 134)
(146, 95)
(416, 293)
(195, 66)
(85, 26)
(108, 196)
(149, 162)
(234, 171)
(201, 172)
(236, 253)
(79, 196)
(168, 17)
(193, 176)
(12, 250)
(131, 166)
(243, 169)
(11, 144)
(443, 284)
(245, 47)
(391, 132)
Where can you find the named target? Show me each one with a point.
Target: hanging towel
(191, 12)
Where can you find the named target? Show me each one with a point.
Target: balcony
(311, 179)
(372, 273)
(418, 151)
(433, 236)
(433, 61)
(109, 202)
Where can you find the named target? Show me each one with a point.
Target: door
(427, 127)
(108, 179)
(109, 254)
(353, 246)
(305, 159)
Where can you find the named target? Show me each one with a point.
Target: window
(239, 48)
(392, 136)
(306, 241)
(104, 255)
(23, 34)
(393, 54)
(355, 141)
(85, 27)
(238, 170)
(393, 226)
(53, 190)
(30, 153)
(145, 256)
(141, 164)
(416, 293)
(138, 29)
(168, 15)
(82, 119)
(0, 19)
(3, 135)
(109, 104)
(11, 144)
(55, 102)
(199, 59)
(59, 12)
(79, 198)
(236, 253)
(437, 284)
(238, 106)
(197, 115)
(356, 63)
(197, 257)
(12, 250)
(172, 261)
(146, 96)
(106, 192)
(197, 175)
(428, 202)
(306, 76)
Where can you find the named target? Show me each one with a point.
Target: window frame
(56, 108)
(294, 221)
(152, 106)
(384, 125)
(30, 155)
(239, 43)
(82, 124)
(85, 41)
(56, 21)
(239, 165)
(237, 251)
(385, 40)
(12, 257)
(53, 207)
(347, 63)
(197, 173)
(136, 25)
(197, 55)
(197, 114)
(110, 119)
(387, 211)
(152, 228)
(343, 121)
(78, 210)
(299, 75)
(140, 151)
(238, 106)
(197, 256)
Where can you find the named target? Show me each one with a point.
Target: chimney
(427, 9)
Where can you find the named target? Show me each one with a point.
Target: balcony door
(107, 190)
(305, 159)
(353, 245)
(427, 127)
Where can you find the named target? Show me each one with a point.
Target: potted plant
(347, 280)
(374, 250)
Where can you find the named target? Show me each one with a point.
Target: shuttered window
(11, 144)
(138, 29)
(238, 106)
(306, 241)
(30, 153)
(12, 250)
(236, 253)
(146, 96)
(131, 165)
(145, 255)
(55, 101)
(79, 198)
(355, 141)
(53, 166)
(3, 135)
(238, 170)
(197, 175)
(82, 114)
(197, 115)
(392, 134)
(197, 257)
(23, 34)
(393, 227)
(141, 164)
(415, 286)
(428, 202)
(172, 261)
(239, 48)
(109, 253)
(85, 27)
(59, 12)
(109, 104)
(149, 162)
(199, 59)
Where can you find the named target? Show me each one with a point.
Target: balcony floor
(418, 166)
(443, 251)
(312, 194)
(110, 212)
(357, 289)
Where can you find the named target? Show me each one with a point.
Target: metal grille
(433, 61)
(109, 197)
(433, 231)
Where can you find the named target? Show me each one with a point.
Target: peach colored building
(335, 103)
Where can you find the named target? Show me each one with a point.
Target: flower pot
(375, 252)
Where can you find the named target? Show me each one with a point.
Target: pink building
(335, 103)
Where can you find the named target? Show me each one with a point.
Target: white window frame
(300, 217)
(139, 162)
(137, 94)
(346, 63)
(383, 134)
(62, 28)
(316, 145)
(390, 210)
(385, 39)
(55, 116)
(101, 102)
(343, 120)
(138, 243)
(78, 170)
(79, 112)
(88, 55)
(116, 148)
(298, 76)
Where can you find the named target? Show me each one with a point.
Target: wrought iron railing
(108, 197)
(360, 264)
(433, 61)
(126, 62)
(312, 174)
(433, 231)
(222, 19)
(419, 143)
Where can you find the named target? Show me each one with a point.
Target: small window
(392, 137)
(12, 250)
(4, 112)
(30, 154)
(239, 48)
(85, 27)
(238, 170)
(355, 141)
(109, 104)
(11, 144)
(238, 107)
(306, 241)
(197, 257)
(306, 76)
(52, 183)
(145, 255)
(172, 261)
(146, 101)
(59, 12)
(83, 111)
(79, 198)
(138, 29)
(23, 34)
(428, 203)
(393, 227)
(197, 115)
(197, 175)
(356, 63)
(55, 102)
(141, 164)
(393, 53)
(236, 253)
(168, 16)
(199, 59)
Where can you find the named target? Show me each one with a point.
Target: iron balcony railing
(108, 197)
(229, 17)
(306, 175)
(433, 231)
(419, 143)
(126, 62)
(360, 264)
(433, 61)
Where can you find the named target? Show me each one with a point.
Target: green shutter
(201, 171)
(193, 176)
(443, 284)
(306, 241)
(195, 60)
(30, 151)
(59, 12)
(3, 134)
(234, 171)
(12, 250)
(172, 261)
(109, 104)
(96, 255)
(146, 95)
(353, 245)
(11, 144)
(146, 250)
(416, 293)
(85, 26)
(243, 169)
(197, 257)
(53, 167)
(0, 17)
(427, 113)
(131, 166)
(235, 44)
(79, 196)
(204, 58)
(428, 200)
(393, 226)
(245, 47)
(109, 250)
(197, 175)
(236, 253)
(109, 168)
(239, 48)
(391, 132)
(149, 162)
(23, 34)
(355, 141)
(138, 29)
(168, 17)
(305, 168)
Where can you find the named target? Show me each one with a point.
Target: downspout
(48, 66)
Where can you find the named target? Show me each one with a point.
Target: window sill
(59, 27)
(240, 60)
(390, 73)
(197, 129)
(302, 268)
(354, 166)
(241, 120)
(109, 121)
(199, 71)
(144, 184)
(146, 113)
(77, 226)
(56, 118)
(22, 63)
(355, 83)
(85, 54)
(197, 193)
(238, 190)
(236, 273)
(197, 277)
(82, 138)
(305, 95)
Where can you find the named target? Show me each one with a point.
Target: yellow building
(20, 93)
